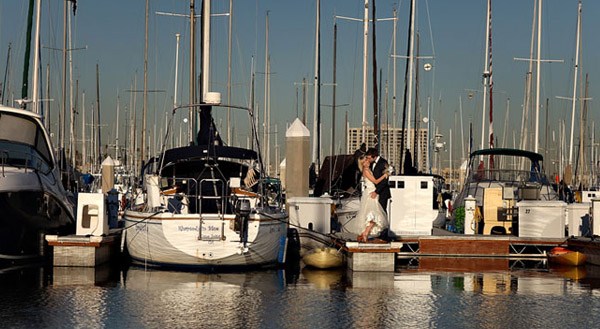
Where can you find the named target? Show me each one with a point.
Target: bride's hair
(360, 162)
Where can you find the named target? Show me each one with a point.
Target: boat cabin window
(401, 184)
(392, 184)
(23, 143)
(423, 185)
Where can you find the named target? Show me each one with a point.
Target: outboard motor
(242, 213)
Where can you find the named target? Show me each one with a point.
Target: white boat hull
(167, 239)
(346, 215)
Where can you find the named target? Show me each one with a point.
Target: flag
(74, 6)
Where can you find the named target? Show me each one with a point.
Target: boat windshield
(506, 168)
(21, 155)
(23, 143)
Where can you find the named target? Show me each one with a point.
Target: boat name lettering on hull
(211, 232)
(182, 228)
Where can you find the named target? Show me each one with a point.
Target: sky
(453, 32)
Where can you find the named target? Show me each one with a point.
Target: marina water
(526, 294)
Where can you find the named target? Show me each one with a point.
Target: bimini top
(506, 151)
(190, 153)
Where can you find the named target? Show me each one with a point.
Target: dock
(380, 256)
(84, 251)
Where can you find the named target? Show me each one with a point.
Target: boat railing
(272, 192)
(211, 195)
(3, 160)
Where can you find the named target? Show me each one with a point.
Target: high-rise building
(390, 144)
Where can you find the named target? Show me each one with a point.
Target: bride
(370, 210)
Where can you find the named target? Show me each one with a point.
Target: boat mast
(145, 105)
(411, 68)
(72, 137)
(317, 99)
(83, 135)
(582, 128)
(365, 50)
(206, 4)
(407, 66)
(375, 94)
(486, 72)
(574, 98)
(27, 54)
(63, 110)
(36, 59)
(528, 81)
(98, 136)
(192, 117)
(394, 118)
(537, 87)
(6, 73)
(266, 92)
(177, 37)
(229, 123)
(117, 128)
(334, 88)
(462, 130)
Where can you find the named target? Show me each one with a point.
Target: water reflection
(466, 293)
(163, 298)
(324, 279)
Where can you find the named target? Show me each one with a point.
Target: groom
(379, 165)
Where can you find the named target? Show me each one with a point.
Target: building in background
(390, 144)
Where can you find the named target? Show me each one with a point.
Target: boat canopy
(189, 153)
(536, 157)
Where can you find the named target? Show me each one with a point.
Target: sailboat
(32, 197)
(207, 205)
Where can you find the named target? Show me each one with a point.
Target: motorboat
(33, 200)
(512, 196)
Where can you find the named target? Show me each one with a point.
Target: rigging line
(291, 224)
(142, 220)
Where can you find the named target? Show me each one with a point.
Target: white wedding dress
(371, 210)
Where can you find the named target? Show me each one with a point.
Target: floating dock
(378, 255)
(84, 251)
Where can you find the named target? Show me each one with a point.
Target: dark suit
(383, 188)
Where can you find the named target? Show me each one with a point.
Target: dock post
(108, 175)
(297, 155)
(470, 204)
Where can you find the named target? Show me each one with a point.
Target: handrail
(4, 158)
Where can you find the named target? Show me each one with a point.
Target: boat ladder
(207, 230)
